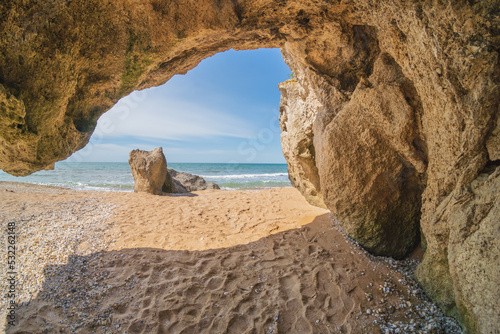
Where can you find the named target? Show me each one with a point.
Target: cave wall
(298, 110)
(407, 122)
(399, 102)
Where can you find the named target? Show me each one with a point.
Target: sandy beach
(209, 262)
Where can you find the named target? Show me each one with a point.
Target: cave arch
(429, 69)
(225, 110)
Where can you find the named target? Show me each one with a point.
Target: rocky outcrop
(466, 281)
(396, 132)
(173, 186)
(405, 96)
(298, 109)
(180, 182)
(149, 170)
(151, 175)
(373, 182)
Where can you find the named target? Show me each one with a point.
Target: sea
(116, 176)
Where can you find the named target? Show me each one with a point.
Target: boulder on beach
(180, 182)
(152, 176)
(149, 169)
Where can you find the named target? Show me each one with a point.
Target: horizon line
(177, 162)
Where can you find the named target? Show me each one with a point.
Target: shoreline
(131, 189)
(216, 261)
(118, 177)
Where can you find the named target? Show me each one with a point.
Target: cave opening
(380, 143)
(220, 120)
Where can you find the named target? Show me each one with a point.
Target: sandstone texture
(473, 253)
(298, 109)
(149, 170)
(399, 102)
(180, 182)
(373, 182)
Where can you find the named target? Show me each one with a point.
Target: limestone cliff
(473, 248)
(374, 179)
(298, 109)
(404, 129)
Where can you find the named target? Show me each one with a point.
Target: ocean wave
(253, 185)
(91, 187)
(254, 188)
(243, 176)
(117, 189)
(118, 177)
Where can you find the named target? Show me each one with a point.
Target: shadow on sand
(306, 280)
(180, 194)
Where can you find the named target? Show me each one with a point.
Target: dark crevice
(346, 73)
(421, 149)
(238, 10)
(2, 77)
(490, 167)
(303, 20)
(86, 122)
(160, 6)
(365, 44)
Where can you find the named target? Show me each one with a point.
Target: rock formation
(173, 186)
(298, 110)
(471, 284)
(401, 101)
(373, 182)
(151, 175)
(180, 182)
(149, 170)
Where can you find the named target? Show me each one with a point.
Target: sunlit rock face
(149, 169)
(371, 172)
(298, 109)
(403, 132)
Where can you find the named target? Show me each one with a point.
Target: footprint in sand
(292, 316)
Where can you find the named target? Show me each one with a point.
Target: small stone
(474, 49)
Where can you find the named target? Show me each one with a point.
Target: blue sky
(224, 110)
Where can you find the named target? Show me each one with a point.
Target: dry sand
(214, 262)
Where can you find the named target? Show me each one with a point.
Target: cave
(390, 121)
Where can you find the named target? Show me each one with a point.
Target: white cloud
(169, 119)
(115, 152)
(177, 150)
(103, 152)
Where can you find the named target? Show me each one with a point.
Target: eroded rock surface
(473, 253)
(180, 182)
(406, 115)
(149, 170)
(373, 182)
(400, 118)
(298, 109)
(173, 186)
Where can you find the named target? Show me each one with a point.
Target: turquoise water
(111, 176)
